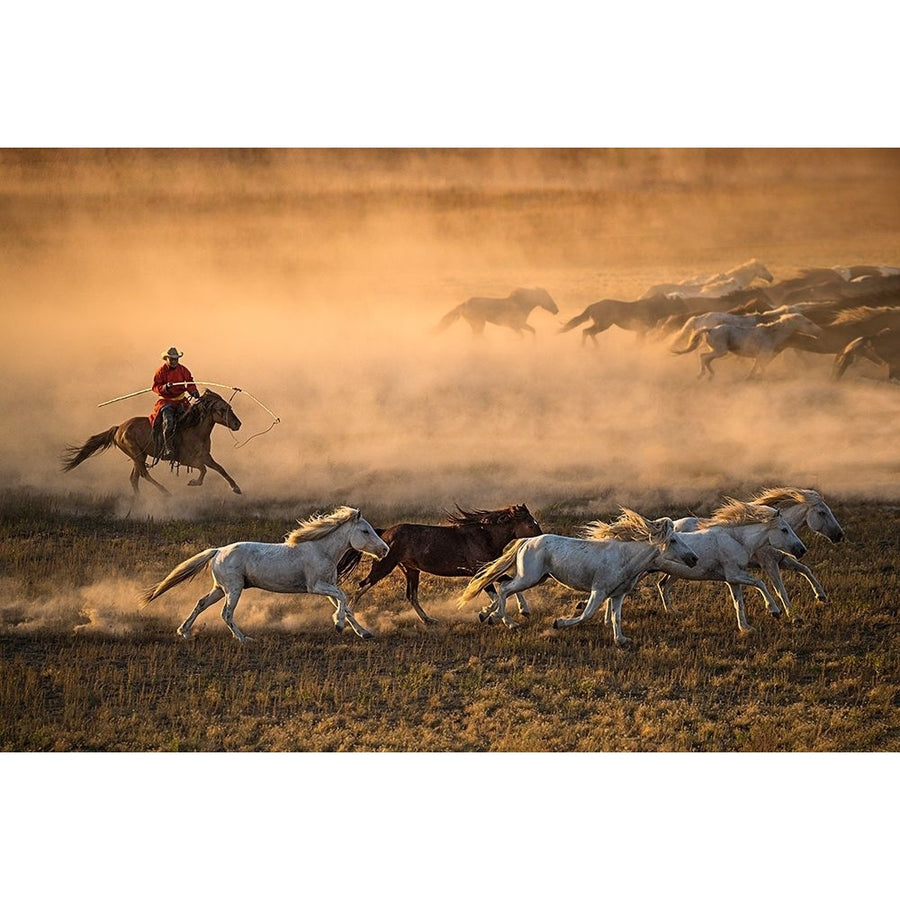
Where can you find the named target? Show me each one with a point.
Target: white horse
(798, 507)
(605, 568)
(305, 563)
(712, 319)
(762, 342)
(510, 312)
(725, 544)
(714, 285)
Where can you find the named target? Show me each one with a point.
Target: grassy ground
(82, 669)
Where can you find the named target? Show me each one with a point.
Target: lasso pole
(205, 383)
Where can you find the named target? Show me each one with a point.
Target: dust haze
(314, 280)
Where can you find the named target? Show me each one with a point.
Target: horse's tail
(695, 340)
(577, 320)
(74, 456)
(491, 572)
(350, 560)
(182, 572)
(449, 319)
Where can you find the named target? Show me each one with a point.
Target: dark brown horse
(883, 349)
(136, 440)
(470, 540)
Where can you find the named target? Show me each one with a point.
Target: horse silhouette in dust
(508, 312)
(136, 440)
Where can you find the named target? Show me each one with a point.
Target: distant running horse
(509, 312)
(634, 315)
(192, 442)
(715, 285)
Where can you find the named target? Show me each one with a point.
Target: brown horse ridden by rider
(135, 439)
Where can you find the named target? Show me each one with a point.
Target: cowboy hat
(172, 353)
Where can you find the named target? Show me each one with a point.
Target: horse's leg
(614, 612)
(770, 562)
(216, 468)
(487, 611)
(216, 594)
(381, 568)
(789, 562)
(342, 614)
(140, 466)
(412, 594)
(737, 598)
(663, 586)
(231, 600)
(589, 609)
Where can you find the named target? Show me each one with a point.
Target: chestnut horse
(470, 540)
(192, 442)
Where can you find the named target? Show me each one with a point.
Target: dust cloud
(314, 280)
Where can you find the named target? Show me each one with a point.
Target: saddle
(159, 443)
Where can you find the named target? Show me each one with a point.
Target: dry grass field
(82, 668)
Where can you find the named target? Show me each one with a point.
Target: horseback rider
(174, 383)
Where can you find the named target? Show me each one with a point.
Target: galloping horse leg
(140, 471)
(381, 568)
(593, 602)
(342, 614)
(231, 601)
(663, 587)
(216, 594)
(412, 593)
(196, 482)
(789, 562)
(614, 611)
(737, 598)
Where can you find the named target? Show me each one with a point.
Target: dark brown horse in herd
(470, 540)
(135, 438)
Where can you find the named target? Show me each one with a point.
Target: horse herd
(504, 552)
(848, 312)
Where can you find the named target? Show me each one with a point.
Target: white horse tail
(450, 318)
(572, 323)
(695, 340)
(182, 572)
(491, 572)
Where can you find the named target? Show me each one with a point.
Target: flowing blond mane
(316, 527)
(630, 526)
(739, 512)
(784, 496)
(862, 314)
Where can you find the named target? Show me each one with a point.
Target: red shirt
(177, 394)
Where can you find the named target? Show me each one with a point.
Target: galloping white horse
(725, 544)
(510, 312)
(762, 342)
(605, 568)
(714, 285)
(798, 506)
(305, 563)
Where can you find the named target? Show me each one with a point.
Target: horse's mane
(862, 314)
(784, 496)
(321, 526)
(194, 415)
(481, 516)
(739, 512)
(630, 526)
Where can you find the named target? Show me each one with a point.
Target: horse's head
(783, 537)
(672, 545)
(760, 271)
(545, 301)
(820, 518)
(219, 409)
(364, 538)
(524, 523)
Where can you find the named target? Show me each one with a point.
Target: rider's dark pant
(167, 414)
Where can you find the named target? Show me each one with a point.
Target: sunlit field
(315, 280)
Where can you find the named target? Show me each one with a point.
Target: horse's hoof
(366, 635)
(525, 613)
(556, 623)
(823, 600)
(746, 630)
(483, 616)
(338, 628)
(184, 634)
(797, 622)
(775, 613)
(623, 641)
(194, 483)
(237, 490)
